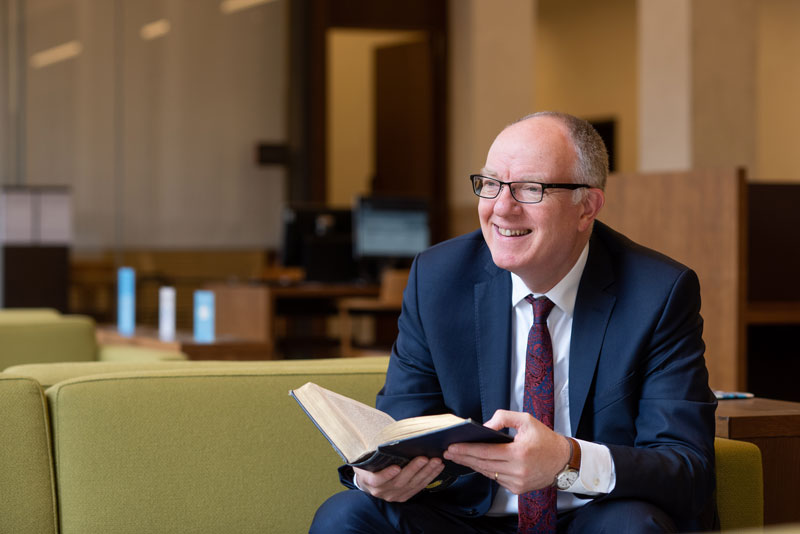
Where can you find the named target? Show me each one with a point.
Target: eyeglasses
(524, 192)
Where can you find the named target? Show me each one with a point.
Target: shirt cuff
(597, 474)
(355, 481)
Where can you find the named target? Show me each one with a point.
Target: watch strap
(574, 455)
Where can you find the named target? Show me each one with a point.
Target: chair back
(393, 283)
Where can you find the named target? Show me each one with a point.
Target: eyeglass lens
(522, 191)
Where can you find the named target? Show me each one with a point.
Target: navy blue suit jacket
(637, 376)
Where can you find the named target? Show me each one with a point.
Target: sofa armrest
(27, 487)
(740, 486)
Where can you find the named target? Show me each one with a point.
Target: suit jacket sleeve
(433, 368)
(658, 419)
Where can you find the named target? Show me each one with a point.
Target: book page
(413, 426)
(349, 424)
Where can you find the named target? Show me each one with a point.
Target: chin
(507, 262)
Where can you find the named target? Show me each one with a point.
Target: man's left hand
(530, 462)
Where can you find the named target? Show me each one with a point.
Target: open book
(370, 439)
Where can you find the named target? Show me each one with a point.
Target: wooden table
(250, 311)
(774, 426)
(224, 347)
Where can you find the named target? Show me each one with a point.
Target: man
(619, 328)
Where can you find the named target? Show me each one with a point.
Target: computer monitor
(319, 239)
(386, 228)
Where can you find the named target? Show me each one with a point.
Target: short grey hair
(591, 166)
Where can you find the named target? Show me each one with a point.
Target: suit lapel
(492, 304)
(592, 312)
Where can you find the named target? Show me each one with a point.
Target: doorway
(409, 150)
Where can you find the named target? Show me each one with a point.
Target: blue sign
(126, 301)
(204, 316)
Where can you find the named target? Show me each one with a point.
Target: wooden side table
(774, 426)
(223, 348)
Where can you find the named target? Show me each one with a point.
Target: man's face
(539, 242)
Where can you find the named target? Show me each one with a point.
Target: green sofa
(42, 335)
(201, 447)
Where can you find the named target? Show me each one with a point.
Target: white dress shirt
(597, 475)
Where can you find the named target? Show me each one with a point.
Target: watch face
(566, 479)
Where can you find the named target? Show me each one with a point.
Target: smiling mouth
(508, 232)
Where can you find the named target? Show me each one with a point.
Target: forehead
(536, 148)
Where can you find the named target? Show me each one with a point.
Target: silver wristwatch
(567, 477)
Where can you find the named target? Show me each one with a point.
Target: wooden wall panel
(699, 218)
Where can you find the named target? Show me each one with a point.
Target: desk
(225, 347)
(774, 426)
(250, 311)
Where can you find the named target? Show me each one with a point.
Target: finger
(459, 452)
(410, 481)
(430, 469)
(423, 477)
(506, 419)
(391, 488)
(485, 466)
(371, 480)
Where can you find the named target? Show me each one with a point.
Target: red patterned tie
(537, 509)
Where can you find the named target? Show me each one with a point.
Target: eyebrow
(491, 174)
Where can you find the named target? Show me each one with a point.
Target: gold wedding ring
(495, 476)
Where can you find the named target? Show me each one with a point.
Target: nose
(505, 203)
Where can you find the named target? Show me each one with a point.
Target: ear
(592, 203)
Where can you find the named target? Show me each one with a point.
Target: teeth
(509, 233)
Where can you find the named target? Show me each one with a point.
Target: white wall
(490, 85)
(585, 64)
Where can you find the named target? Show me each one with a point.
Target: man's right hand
(395, 484)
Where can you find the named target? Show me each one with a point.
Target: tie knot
(541, 308)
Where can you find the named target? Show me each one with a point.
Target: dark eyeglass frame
(474, 177)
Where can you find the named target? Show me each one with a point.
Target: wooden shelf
(772, 312)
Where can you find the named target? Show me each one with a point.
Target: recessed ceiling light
(56, 54)
(231, 6)
(155, 29)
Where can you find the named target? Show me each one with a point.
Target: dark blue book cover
(431, 445)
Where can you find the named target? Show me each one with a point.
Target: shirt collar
(563, 294)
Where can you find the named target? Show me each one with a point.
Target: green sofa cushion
(58, 339)
(27, 493)
(48, 374)
(27, 315)
(197, 450)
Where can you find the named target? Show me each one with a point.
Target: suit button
(472, 511)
